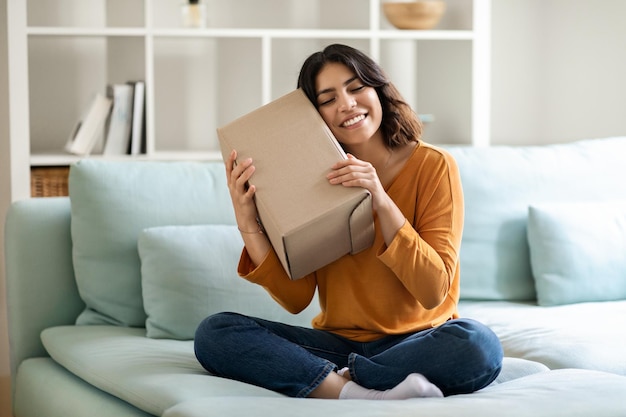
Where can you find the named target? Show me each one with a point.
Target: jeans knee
(481, 343)
(211, 330)
(216, 326)
(481, 353)
(216, 322)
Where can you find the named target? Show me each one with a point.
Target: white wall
(559, 70)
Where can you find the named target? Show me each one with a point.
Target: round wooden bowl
(414, 14)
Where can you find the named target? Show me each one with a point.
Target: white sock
(413, 386)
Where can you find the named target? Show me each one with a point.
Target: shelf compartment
(81, 13)
(288, 55)
(458, 16)
(64, 75)
(443, 88)
(269, 14)
(201, 84)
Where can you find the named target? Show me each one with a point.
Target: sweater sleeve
(424, 254)
(293, 295)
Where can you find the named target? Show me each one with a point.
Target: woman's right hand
(242, 196)
(241, 192)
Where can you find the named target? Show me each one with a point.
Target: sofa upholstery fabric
(112, 202)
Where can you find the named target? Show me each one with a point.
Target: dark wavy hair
(400, 124)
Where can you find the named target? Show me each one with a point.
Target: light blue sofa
(105, 289)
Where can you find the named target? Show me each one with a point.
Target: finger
(242, 179)
(340, 177)
(366, 183)
(350, 160)
(344, 163)
(346, 169)
(251, 191)
(240, 167)
(229, 162)
(354, 175)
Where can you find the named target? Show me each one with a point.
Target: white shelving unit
(61, 52)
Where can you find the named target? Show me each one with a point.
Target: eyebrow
(328, 90)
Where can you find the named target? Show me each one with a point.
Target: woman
(388, 327)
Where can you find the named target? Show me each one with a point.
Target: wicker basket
(49, 181)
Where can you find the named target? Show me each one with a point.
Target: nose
(346, 102)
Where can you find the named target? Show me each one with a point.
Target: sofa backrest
(499, 185)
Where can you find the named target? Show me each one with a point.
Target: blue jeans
(460, 356)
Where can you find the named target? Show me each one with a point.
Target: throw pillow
(111, 203)
(578, 251)
(190, 272)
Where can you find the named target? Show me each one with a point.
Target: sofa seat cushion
(42, 388)
(585, 335)
(151, 374)
(570, 392)
(155, 374)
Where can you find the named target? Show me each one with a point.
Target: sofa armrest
(41, 289)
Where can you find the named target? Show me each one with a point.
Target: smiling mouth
(353, 121)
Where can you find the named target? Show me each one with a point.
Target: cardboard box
(309, 222)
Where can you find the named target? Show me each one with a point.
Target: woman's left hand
(353, 172)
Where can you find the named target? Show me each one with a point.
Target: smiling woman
(388, 326)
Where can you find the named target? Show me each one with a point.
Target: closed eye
(325, 102)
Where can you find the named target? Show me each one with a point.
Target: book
(137, 136)
(120, 119)
(90, 128)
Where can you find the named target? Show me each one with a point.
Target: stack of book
(119, 117)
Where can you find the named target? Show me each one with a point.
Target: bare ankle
(330, 387)
(345, 372)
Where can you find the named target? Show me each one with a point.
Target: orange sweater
(410, 285)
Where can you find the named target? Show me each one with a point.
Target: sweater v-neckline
(401, 170)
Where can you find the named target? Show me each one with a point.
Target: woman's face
(351, 109)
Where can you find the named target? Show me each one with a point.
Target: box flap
(362, 226)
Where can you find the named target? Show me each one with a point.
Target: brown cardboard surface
(309, 222)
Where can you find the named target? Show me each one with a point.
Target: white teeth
(354, 120)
